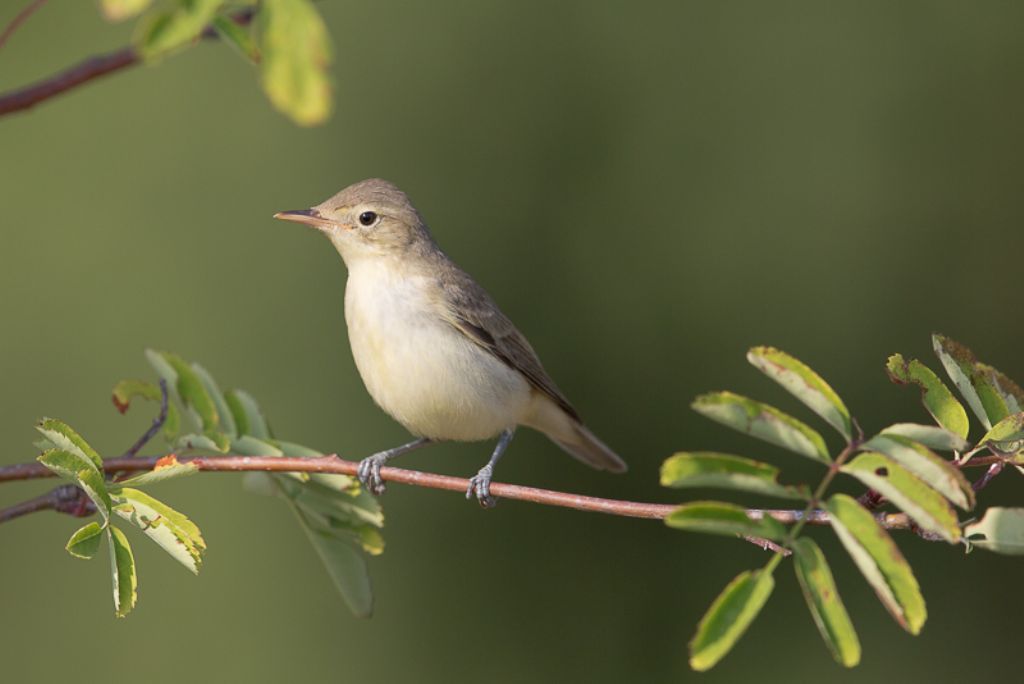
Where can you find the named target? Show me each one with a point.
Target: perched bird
(432, 347)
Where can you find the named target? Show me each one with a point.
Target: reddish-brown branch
(85, 71)
(334, 464)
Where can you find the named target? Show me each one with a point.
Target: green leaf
(256, 482)
(729, 616)
(163, 31)
(237, 36)
(960, 364)
(170, 529)
(922, 503)
(709, 469)
(225, 420)
(347, 569)
(247, 445)
(127, 390)
(193, 393)
(1000, 530)
(63, 437)
(929, 435)
(715, 517)
(246, 412)
(936, 397)
(1007, 436)
(85, 542)
(804, 384)
(296, 52)
(879, 560)
(122, 570)
(342, 516)
(823, 601)
(1010, 392)
(159, 474)
(212, 441)
(298, 450)
(119, 10)
(933, 470)
(762, 421)
(80, 470)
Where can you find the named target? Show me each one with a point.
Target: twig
(87, 70)
(67, 499)
(334, 464)
(158, 423)
(20, 19)
(992, 471)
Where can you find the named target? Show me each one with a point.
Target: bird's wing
(469, 308)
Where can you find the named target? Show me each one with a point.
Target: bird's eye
(367, 218)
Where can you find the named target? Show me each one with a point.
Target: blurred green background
(647, 188)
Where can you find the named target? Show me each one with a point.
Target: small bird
(432, 347)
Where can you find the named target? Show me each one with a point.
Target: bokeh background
(647, 188)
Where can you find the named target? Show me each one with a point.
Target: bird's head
(371, 218)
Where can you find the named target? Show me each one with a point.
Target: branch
(87, 70)
(64, 499)
(338, 466)
(154, 428)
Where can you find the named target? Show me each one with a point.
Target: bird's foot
(369, 473)
(480, 486)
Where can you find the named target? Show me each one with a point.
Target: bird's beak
(311, 217)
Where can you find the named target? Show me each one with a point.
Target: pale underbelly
(437, 383)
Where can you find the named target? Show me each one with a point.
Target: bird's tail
(584, 446)
(567, 432)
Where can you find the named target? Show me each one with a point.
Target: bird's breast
(421, 370)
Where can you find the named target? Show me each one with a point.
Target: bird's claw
(369, 473)
(480, 486)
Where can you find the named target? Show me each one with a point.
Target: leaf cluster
(340, 520)
(899, 466)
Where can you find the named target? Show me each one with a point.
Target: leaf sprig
(899, 465)
(340, 520)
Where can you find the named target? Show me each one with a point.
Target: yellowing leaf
(823, 601)
(762, 421)
(122, 571)
(295, 50)
(119, 10)
(986, 401)
(170, 529)
(1000, 530)
(922, 503)
(803, 383)
(940, 402)
(879, 560)
(709, 469)
(929, 467)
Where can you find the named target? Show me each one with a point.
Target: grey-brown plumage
(433, 348)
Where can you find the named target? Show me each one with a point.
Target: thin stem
(989, 475)
(154, 428)
(815, 501)
(20, 19)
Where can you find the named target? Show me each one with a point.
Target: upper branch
(85, 71)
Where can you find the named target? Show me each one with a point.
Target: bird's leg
(480, 484)
(369, 467)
